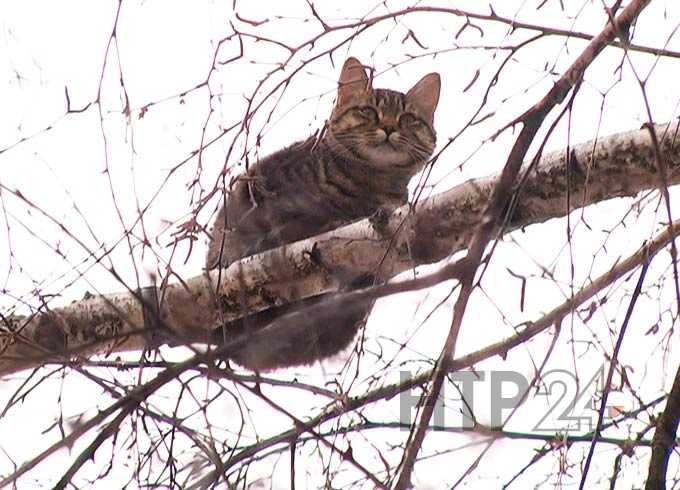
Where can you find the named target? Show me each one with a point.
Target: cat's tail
(297, 334)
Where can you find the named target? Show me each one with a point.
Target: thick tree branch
(489, 223)
(615, 166)
(501, 348)
(531, 329)
(665, 437)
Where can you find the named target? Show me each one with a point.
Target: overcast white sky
(94, 170)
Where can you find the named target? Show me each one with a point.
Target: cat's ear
(353, 82)
(424, 95)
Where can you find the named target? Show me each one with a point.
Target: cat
(375, 141)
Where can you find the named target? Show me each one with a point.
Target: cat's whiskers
(374, 142)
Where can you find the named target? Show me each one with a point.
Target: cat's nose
(389, 130)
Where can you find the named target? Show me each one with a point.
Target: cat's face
(382, 127)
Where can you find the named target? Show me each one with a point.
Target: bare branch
(484, 230)
(665, 437)
(616, 166)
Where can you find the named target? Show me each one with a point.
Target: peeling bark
(615, 166)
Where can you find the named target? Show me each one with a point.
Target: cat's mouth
(388, 147)
(384, 139)
(392, 143)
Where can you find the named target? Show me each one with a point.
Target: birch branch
(615, 166)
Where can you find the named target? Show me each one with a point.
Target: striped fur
(375, 141)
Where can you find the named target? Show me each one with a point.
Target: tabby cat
(375, 141)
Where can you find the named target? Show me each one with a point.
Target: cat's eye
(368, 113)
(408, 119)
